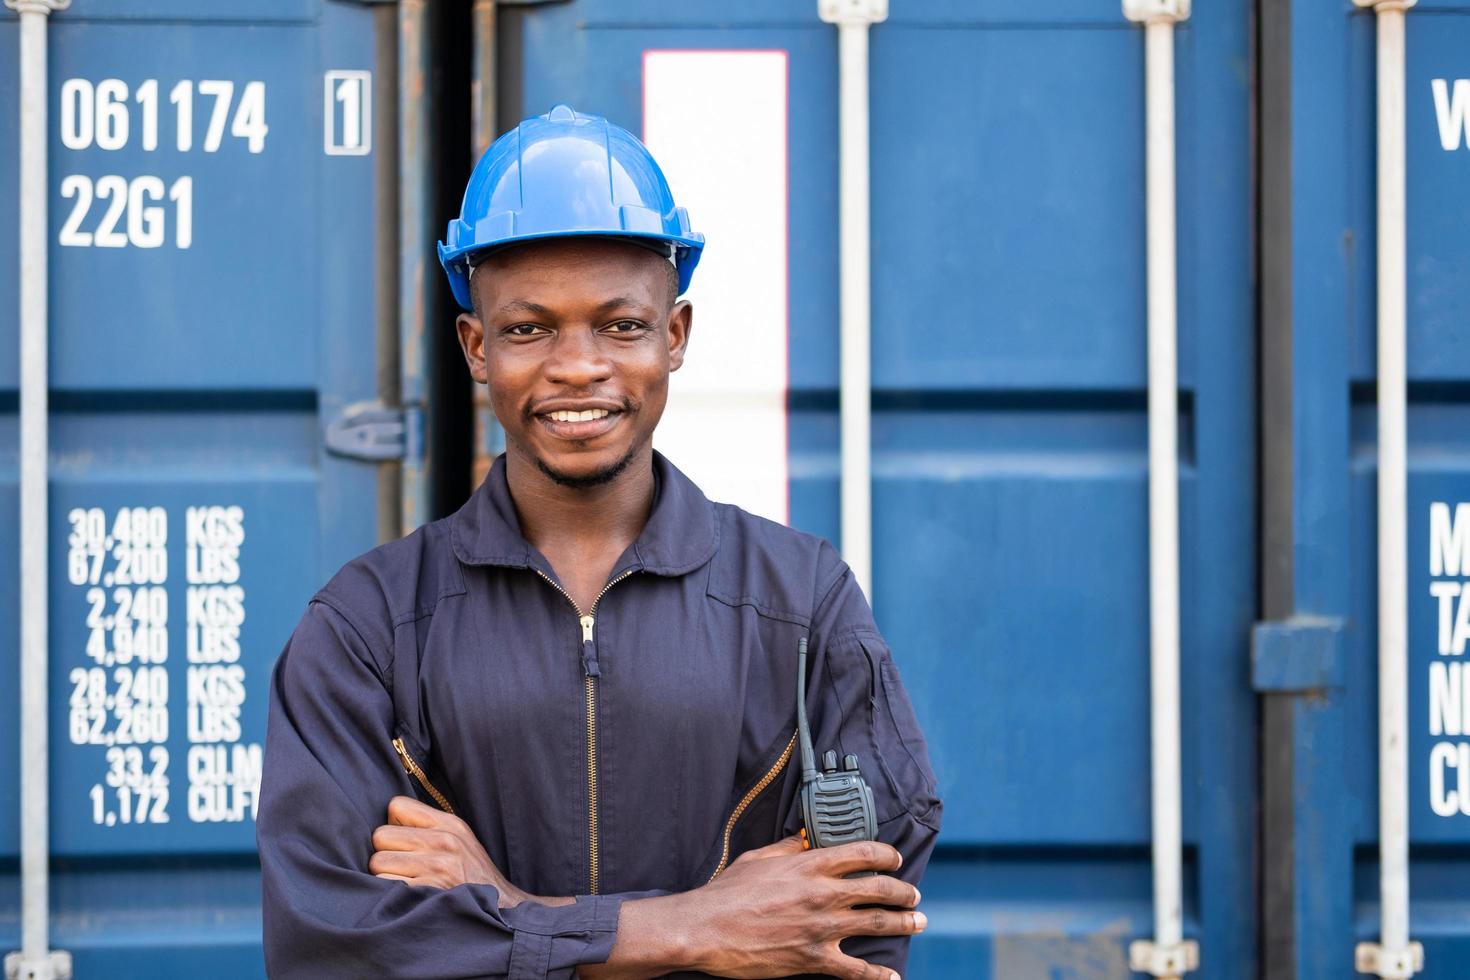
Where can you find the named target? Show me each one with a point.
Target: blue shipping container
(1320, 443)
(212, 226)
(231, 189)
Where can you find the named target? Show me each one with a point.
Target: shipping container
(216, 221)
(1320, 450)
(252, 379)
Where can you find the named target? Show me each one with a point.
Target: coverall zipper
(588, 623)
(591, 671)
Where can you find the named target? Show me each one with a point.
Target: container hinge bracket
(1390, 964)
(37, 7)
(55, 965)
(370, 431)
(1303, 653)
(1151, 11)
(852, 11)
(1147, 956)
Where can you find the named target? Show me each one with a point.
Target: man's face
(576, 338)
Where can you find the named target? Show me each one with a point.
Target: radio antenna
(803, 731)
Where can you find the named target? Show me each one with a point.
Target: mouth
(579, 425)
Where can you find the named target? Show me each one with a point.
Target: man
(552, 735)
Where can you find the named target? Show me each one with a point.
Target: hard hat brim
(457, 262)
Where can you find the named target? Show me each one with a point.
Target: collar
(680, 536)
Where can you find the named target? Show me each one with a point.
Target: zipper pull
(402, 751)
(589, 649)
(412, 768)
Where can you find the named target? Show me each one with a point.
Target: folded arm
(328, 777)
(774, 912)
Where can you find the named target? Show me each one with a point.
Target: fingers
(866, 855)
(883, 922)
(848, 968)
(785, 846)
(392, 837)
(880, 890)
(400, 863)
(405, 811)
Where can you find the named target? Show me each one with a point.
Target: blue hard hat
(564, 174)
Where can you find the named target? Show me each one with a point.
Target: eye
(626, 326)
(523, 330)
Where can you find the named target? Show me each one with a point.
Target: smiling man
(552, 735)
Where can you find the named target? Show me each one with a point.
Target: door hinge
(1395, 964)
(1149, 11)
(374, 432)
(1303, 653)
(853, 11)
(37, 7)
(55, 965)
(1146, 956)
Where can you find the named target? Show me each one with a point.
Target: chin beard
(586, 481)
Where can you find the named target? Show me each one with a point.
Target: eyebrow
(526, 306)
(613, 304)
(523, 306)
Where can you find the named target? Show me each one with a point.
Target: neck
(555, 517)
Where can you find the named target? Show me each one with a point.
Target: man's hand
(774, 912)
(425, 846)
(781, 910)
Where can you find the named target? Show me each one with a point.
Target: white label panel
(716, 122)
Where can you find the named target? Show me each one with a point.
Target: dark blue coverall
(672, 708)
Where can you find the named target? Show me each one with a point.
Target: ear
(681, 324)
(472, 341)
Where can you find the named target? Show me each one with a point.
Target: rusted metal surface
(416, 248)
(385, 282)
(484, 128)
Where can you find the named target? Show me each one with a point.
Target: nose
(577, 360)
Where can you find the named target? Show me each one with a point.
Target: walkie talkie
(836, 804)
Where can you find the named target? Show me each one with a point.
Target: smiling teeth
(592, 414)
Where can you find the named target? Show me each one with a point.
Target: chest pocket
(411, 749)
(755, 809)
(409, 759)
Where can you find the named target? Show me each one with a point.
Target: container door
(212, 252)
(1010, 470)
(1438, 107)
(1327, 739)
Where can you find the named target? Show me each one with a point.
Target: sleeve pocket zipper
(412, 768)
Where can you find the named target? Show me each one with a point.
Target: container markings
(347, 112)
(120, 695)
(1448, 678)
(1452, 111)
(146, 211)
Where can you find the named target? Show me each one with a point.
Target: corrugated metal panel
(213, 248)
